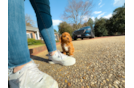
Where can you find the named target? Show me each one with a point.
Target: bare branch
(28, 20)
(76, 10)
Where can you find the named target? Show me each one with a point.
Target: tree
(110, 27)
(119, 16)
(100, 28)
(113, 26)
(91, 23)
(74, 26)
(116, 24)
(55, 30)
(96, 19)
(85, 24)
(65, 27)
(29, 21)
(76, 10)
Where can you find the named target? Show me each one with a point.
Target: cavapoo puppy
(66, 44)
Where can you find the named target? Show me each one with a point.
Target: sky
(101, 8)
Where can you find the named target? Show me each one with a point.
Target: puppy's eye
(64, 35)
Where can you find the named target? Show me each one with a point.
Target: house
(33, 32)
(56, 34)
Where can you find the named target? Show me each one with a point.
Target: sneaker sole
(52, 62)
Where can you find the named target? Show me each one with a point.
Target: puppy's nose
(68, 38)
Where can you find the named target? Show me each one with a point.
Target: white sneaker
(31, 77)
(59, 58)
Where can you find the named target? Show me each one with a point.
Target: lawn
(34, 46)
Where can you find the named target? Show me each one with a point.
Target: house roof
(29, 28)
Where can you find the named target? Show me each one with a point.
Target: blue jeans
(18, 52)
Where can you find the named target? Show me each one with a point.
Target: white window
(55, 37)
(36, 36)
(28, 35)
(31, 35)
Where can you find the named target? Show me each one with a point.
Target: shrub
(57, 40)
(34, 42)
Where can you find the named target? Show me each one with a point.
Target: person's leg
(26, 74)
(44, 19)
(18, 53)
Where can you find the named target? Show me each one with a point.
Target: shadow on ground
(40, 58)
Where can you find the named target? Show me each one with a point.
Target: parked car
(84, 32)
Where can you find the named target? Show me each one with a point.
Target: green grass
(57, 41)
(34, 42)
(34, 46)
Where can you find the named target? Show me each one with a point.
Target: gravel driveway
(100, 63)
